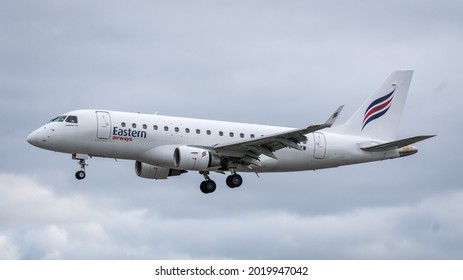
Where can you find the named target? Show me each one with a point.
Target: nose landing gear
(81, 158)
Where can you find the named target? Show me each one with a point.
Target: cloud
(264, 62)
(50, 226)
(7, 249)
(25, 200)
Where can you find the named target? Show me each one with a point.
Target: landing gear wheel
(81, 158)
(80, 175)
(234, 181)
(208, 186)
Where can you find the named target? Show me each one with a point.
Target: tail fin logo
(377, 108)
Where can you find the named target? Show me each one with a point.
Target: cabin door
(320, 145)
(103, 125)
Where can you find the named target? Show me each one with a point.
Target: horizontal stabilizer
(395, 144)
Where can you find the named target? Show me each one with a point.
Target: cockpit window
(58, 119)
(71, 119)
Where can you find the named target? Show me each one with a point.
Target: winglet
(334, 116)
(329, 122)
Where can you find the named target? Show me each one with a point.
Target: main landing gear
(234, 181)
(81, 158)
(209, 186)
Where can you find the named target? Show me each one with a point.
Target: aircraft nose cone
(33, 138)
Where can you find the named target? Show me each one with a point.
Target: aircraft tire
(208, 186)
(80, 175)
(234, 181)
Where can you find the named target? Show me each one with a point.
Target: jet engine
(191, 158)
(149, 171)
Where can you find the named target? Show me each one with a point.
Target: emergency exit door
(103, 125)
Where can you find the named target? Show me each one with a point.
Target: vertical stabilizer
(379, 116)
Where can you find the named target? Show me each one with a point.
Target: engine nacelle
(149, 171)
(191, 158)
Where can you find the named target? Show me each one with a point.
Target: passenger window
(252, 136)
(232, 134)
(155, 127)
(134, 125)
(187, 130)
(242, 135)
(208, 132)
(221, 133)
(71, 119)
(177, 129)
(198, 131)
(145, 126)
(123, 124)
(166, 128)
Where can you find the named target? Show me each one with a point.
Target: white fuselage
(164, 146)
(135, 136)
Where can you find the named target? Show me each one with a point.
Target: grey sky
(274, 62)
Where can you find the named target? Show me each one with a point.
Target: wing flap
(258, 150)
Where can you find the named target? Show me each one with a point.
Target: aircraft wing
(268, 144)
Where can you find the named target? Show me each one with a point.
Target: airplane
(166, 146)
